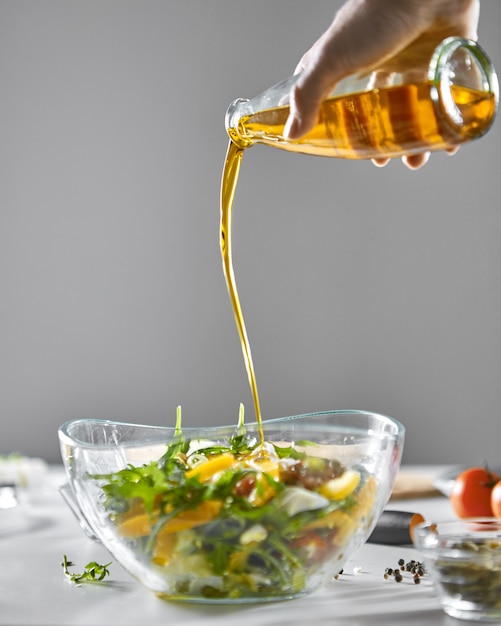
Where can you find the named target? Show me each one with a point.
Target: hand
(390, 35)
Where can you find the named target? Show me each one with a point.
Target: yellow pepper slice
(141, 525)
(164, 548)
(334, 519)
(205, 471)
(340, 487)
(366, 496)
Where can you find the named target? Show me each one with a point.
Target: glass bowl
(463, 558)
(232, 515)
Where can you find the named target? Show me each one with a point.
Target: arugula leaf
(288, 452)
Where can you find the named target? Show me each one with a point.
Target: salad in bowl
(226, 515)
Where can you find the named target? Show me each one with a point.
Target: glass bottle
(455, 101)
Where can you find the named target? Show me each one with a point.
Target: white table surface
(35, 592)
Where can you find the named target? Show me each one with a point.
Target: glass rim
(299, 421)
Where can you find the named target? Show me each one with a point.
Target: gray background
(362, 288)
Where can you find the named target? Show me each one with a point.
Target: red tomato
(471, 494)
(496, 499)
(312, 547)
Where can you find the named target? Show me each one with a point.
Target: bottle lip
(231, 121)
(277, 95)
(441, 77)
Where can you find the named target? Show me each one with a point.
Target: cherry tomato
(471, 494)
(311, 547)
(496, 499)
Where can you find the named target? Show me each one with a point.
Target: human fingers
(380, 162)
(347, 47)
(316, 78)
(391, 35)
(415, 161)
(380, 80)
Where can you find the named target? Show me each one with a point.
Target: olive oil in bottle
(380, 123)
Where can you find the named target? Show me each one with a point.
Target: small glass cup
(463, 558)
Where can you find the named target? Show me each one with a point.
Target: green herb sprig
(93, 572)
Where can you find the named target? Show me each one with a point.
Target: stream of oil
(228, 187)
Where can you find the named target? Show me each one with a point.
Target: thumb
(306, 96)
